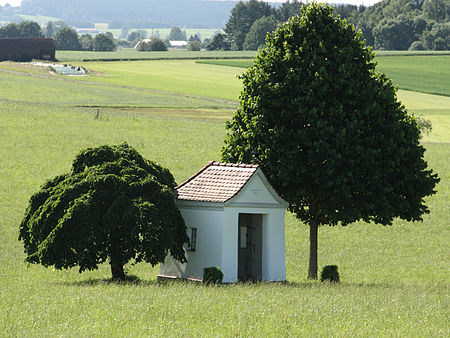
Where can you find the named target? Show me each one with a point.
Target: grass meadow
(395, 280)
(417, 72)
(132, 54)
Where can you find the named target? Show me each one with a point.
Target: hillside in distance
(185, 13)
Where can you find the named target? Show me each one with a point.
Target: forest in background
(387, 25)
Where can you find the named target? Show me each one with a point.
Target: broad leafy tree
(26, 29)
(176, 34)
(103, 43)
(194, 46)
(136, 35)
(113, 206)
(329, 131)
(87, 42)
(157, 45)
(256, 37)
(437, 10)
(67, 39)
(242, 17)
(10, 31)
(30, 29)
(438, 37)
(395, 34)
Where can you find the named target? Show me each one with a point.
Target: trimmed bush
(212, 275)
(330, 274)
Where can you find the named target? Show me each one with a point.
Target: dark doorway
(250, 247)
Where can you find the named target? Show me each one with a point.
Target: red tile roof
(216, 182)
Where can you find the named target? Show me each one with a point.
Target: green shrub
(193, 46)
(212, 275)
(330, 274)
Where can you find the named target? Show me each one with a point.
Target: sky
(353, 2)
(11, 2)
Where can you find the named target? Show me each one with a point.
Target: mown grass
(415, 72)
(133, 54)
(428, 74)
(78, 91)
(394, 279)
(174, 75)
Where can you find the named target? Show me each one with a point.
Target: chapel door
(250, 247)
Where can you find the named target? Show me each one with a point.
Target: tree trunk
(117, 271)
(313, 234)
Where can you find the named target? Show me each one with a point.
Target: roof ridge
(221, 178)
(234, 165)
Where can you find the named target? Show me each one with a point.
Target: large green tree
(103, 43)
(176, 34)
(256, 37)
(10, 31)
(328, 130)
(67, 39)
(113, 205)
(242, 17)
(86, 42)
(437, 10)
(26, 29)
(397, 34)
(30, 29)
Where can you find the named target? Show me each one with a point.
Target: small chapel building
(235, 221)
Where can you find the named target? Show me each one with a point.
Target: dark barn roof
(21, 49)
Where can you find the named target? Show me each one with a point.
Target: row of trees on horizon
(67, 38)
(388, 25)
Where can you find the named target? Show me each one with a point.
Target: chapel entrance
(250, 247)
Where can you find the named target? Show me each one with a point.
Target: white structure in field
(235, 221)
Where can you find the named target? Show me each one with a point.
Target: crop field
(395, 280)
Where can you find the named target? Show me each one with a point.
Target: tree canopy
(176, 34)
(256, 37)
(25, 29)
(67, 39)
(103, 43)
(327, 129)
(113, 205)
(242, 17)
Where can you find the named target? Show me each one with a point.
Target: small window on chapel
(192, 234)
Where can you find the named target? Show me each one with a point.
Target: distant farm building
(26, 49)
(235, 221)
(178, 44)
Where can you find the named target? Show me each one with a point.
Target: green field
(127, 54)
(395, 280)
(415, 72)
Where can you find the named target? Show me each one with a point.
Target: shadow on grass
(129, 280)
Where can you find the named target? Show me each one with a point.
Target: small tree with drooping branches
(328, 130)
(113, 206)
